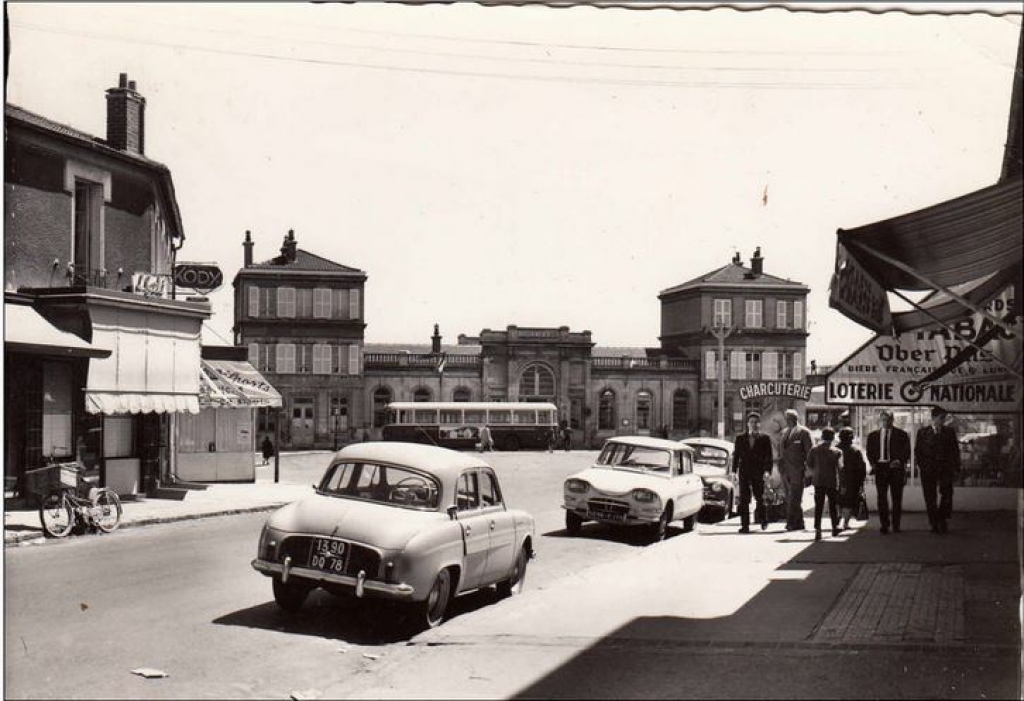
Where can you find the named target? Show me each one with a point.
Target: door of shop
(302, 422)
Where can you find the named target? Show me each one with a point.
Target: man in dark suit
(938, 460)
(889, 456)
(752, 461)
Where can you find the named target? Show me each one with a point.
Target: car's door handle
(493, 525)
(469, 529)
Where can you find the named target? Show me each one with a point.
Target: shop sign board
(775, 388)
(201, 277)
(150, 285)
(887, 371)
(857, 294)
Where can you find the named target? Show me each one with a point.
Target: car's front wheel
(660, 529)
(514, 584)
(573, 523)
(290, 595)
(730, 505)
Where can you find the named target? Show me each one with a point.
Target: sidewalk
(768, 615)
(21, 525)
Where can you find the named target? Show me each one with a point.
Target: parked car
(712, 460)
(636, 481)
(401, 521)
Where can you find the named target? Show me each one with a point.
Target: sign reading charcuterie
(202, 277)
(773, 388)
(857, 294)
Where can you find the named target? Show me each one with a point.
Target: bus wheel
(512, 443)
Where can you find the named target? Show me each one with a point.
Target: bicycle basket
(41, 480)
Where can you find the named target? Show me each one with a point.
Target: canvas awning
(942, 307)
(26, 331)
(235, 383)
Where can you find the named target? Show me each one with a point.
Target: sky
(489, 166)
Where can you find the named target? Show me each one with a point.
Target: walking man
(938, 460)
(752, 461)
(825, 462)
(889, 455)
(796, 446)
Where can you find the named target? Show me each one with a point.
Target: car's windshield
(384, 484)
(621, 456)
(709, 455)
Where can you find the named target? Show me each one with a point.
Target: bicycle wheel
(106, 510)
(56, 515)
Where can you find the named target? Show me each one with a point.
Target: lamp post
(721, 333)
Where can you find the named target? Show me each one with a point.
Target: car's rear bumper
(360, 585)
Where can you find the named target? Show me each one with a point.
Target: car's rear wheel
(512, 444)
(660, 529)
(433, 609)
(514, 584)
(573, 523)
(290, 595)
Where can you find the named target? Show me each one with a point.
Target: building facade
(599, 391)
(301, 318)
(102, 359)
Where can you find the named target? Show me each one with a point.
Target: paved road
(81, 613)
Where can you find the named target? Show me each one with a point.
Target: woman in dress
(851, 478)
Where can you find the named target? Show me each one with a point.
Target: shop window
(606, 411)
(118, 436)
(643, 410)
(57, 410)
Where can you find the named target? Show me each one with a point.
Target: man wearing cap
(752, 461)
(888, 456)
(938, 461)
(795, 447)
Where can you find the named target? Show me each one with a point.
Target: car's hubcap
(438, 597)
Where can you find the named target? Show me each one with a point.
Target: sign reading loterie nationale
(775, 388)
(856, 293)
(888, 371)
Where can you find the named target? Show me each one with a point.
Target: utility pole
(721, 333)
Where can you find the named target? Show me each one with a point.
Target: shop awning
(942, 307)
(235, 383)
(950, 243)
(26, 331)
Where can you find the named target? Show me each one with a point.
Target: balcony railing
(645, 364)
(418, 360)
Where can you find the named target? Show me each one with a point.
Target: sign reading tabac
(856, 293)
(889, 371)
(775, 388)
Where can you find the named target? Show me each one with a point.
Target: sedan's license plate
(328, 555)
(606, 515)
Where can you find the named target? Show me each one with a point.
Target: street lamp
(721, 332)
(335, 412)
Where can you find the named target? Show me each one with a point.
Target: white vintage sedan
(412, 523)
(637, 481)
(712, 461)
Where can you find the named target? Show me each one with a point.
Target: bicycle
(63, 509)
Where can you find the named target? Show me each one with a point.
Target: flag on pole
(440, 364)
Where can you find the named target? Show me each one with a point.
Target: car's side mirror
(453, 511)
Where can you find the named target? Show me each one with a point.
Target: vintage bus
(456, 425)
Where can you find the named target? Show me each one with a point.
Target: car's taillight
(577, 486)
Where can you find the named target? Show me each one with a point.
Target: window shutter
(353, 359)
(265, 308)
(780, 313)
(769, 367)
(270, 357)
(798, 366)
(710, 366)
(254, 355)
(340, 304)
(739, 365)
(280, 360)
(798, 315)
(254, 301)
(353, 303)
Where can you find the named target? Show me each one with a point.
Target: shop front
(219, 443)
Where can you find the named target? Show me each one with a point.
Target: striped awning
(235, 383)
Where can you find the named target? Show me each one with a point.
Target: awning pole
(910, 271)
(953, 331)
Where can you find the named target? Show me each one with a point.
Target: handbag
(862, 507)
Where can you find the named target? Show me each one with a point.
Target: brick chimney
(757, 263)
(435, 340)
(126, 117)
(247, 248)
(288, 247)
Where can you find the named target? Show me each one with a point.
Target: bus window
(451, 416)
(392, 416)
(499, 416)
(425, 416)
(544, 417)
(524, 416)
(476, 416)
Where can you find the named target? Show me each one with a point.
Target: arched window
(537, 382)
(381, 399)
(681, 410)
(606, 411)
(422, 394)
(644, 401)
(462, 394)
